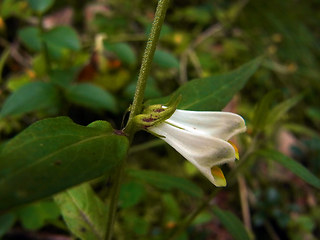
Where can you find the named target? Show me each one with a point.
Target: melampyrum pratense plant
(54, 154)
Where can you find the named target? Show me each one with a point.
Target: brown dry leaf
(93, 9)
(286, 141)
(61, 17)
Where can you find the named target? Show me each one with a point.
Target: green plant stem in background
(136, 106)
(147, 145)
(146, 62)
(44, 47)
(114, 200)
(3, 59)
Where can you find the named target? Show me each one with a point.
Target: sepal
(155, 114)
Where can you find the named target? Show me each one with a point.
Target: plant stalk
(136, 106)
(153, 39)
(114, 200)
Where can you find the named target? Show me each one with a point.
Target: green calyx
(155, 114)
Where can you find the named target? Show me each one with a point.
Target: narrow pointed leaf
(232, 224)
(84, 212)
(259, 119)
(54, 154)
(278, 111)
(212, 93)
(294, 166)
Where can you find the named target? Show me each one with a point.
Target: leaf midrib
(52, 154)
(86, 218)
(218, 90)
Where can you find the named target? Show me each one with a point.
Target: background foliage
(80, 59)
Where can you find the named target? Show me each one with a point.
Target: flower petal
(235, 149)
(217, 124)
(201, 150)
(218, 176)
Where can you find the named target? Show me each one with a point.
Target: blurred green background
(81, 59)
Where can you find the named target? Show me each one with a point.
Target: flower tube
(202, 138)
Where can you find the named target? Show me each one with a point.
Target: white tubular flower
(202, 138)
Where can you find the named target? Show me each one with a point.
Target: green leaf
(6, 222)
(265, 116)
(40, 5)
(54, 154)
(167, 182)
(62, 37)
(131, 193)
(292, 165)
(138, 225)
(57, 40)
(183, 236)
(172, 208)
(232, 224)
(165, 59)
(123, 51)
(301, 129)
(278, 111)
(39, 66)
(35, 216)
(12, 8)
(84, 212)
(313, 113)
(30, 97)
(102, 125)
(63, 77)
(212, 93)
(15, 82)
(30, 36)
(202, 218)
(259, 119)
(91, 96)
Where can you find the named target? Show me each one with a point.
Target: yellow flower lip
(219, 176)
(235, 149)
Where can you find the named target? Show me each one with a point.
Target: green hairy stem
(136, 106)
